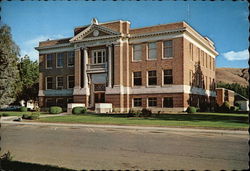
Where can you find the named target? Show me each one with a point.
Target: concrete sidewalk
(173, 129)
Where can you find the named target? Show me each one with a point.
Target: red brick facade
(108, 48)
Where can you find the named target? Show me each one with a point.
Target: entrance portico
(93, 64)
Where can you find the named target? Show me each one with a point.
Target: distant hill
(232, 75)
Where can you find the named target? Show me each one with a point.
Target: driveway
(111, 148)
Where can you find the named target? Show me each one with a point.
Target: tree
(29, 77)
(9, 74)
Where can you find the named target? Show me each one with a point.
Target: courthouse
(165, 67)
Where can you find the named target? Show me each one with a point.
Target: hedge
(79, 110)
(23, 109)
(191, 109)
(55, 110)
(32, 116)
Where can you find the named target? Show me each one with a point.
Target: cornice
(54, 46)
(133, 36)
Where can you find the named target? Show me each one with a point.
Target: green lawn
(207, 120)
(17, 113)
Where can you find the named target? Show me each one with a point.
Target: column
(85, 62)
(109, 65)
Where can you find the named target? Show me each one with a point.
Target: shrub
(225, 107)
(79, 110)
(131, 113)
(32, 116)
(146, 112)
(5, 114)
(204, 107)
(25, 116)
(191, 109)
(55, 110)
(23, 109)
(234, 108)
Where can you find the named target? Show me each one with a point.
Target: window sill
(136, 60)
(152, 86)
(151, 59)
(167, 85)
(167, 57)
(59, 67)
(138, 86)
(48, 68)
(70, 66)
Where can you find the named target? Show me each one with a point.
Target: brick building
(164, 67)
(224, 95)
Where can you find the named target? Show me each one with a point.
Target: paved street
(111, 148)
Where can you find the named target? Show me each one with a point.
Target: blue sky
(225, 23)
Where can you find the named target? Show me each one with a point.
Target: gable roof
(91, 28)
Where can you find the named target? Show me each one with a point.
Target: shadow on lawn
(184, 117)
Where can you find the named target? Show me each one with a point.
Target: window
(49, 84)
(206, 61)
(70, 100)
(61, 102)
(137, 52)
(202, 58)
(137, 78)
(152, 51)
(191, 52)
(210, 83)
(71, 59)
(213, 64)
(49, 58)
(99, 56)
(152, 78)
(199, 55)
(137, 102)
(152, 102)
(206, 87)
(168, 49)
(168, 102)
(59, 60)
(214, 84)
(168, 77)
(59, 82)
(190, 77)
(49, 102)
(71, 81)
(210, 62)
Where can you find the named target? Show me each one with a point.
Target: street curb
(197, 130)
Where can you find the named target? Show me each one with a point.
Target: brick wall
(159, 64)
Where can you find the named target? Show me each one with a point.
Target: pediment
(95, 31)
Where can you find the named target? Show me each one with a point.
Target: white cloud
(40, 38)
(233, 56)
(29, 45)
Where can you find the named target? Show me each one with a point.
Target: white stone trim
(154, 38)
(89, 29)
(41, 93)
(210, 52)
(119, 89)
(55, 50)
(81, 91)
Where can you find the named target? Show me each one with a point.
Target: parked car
(11, 108)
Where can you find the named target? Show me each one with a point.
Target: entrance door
(99, 97)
